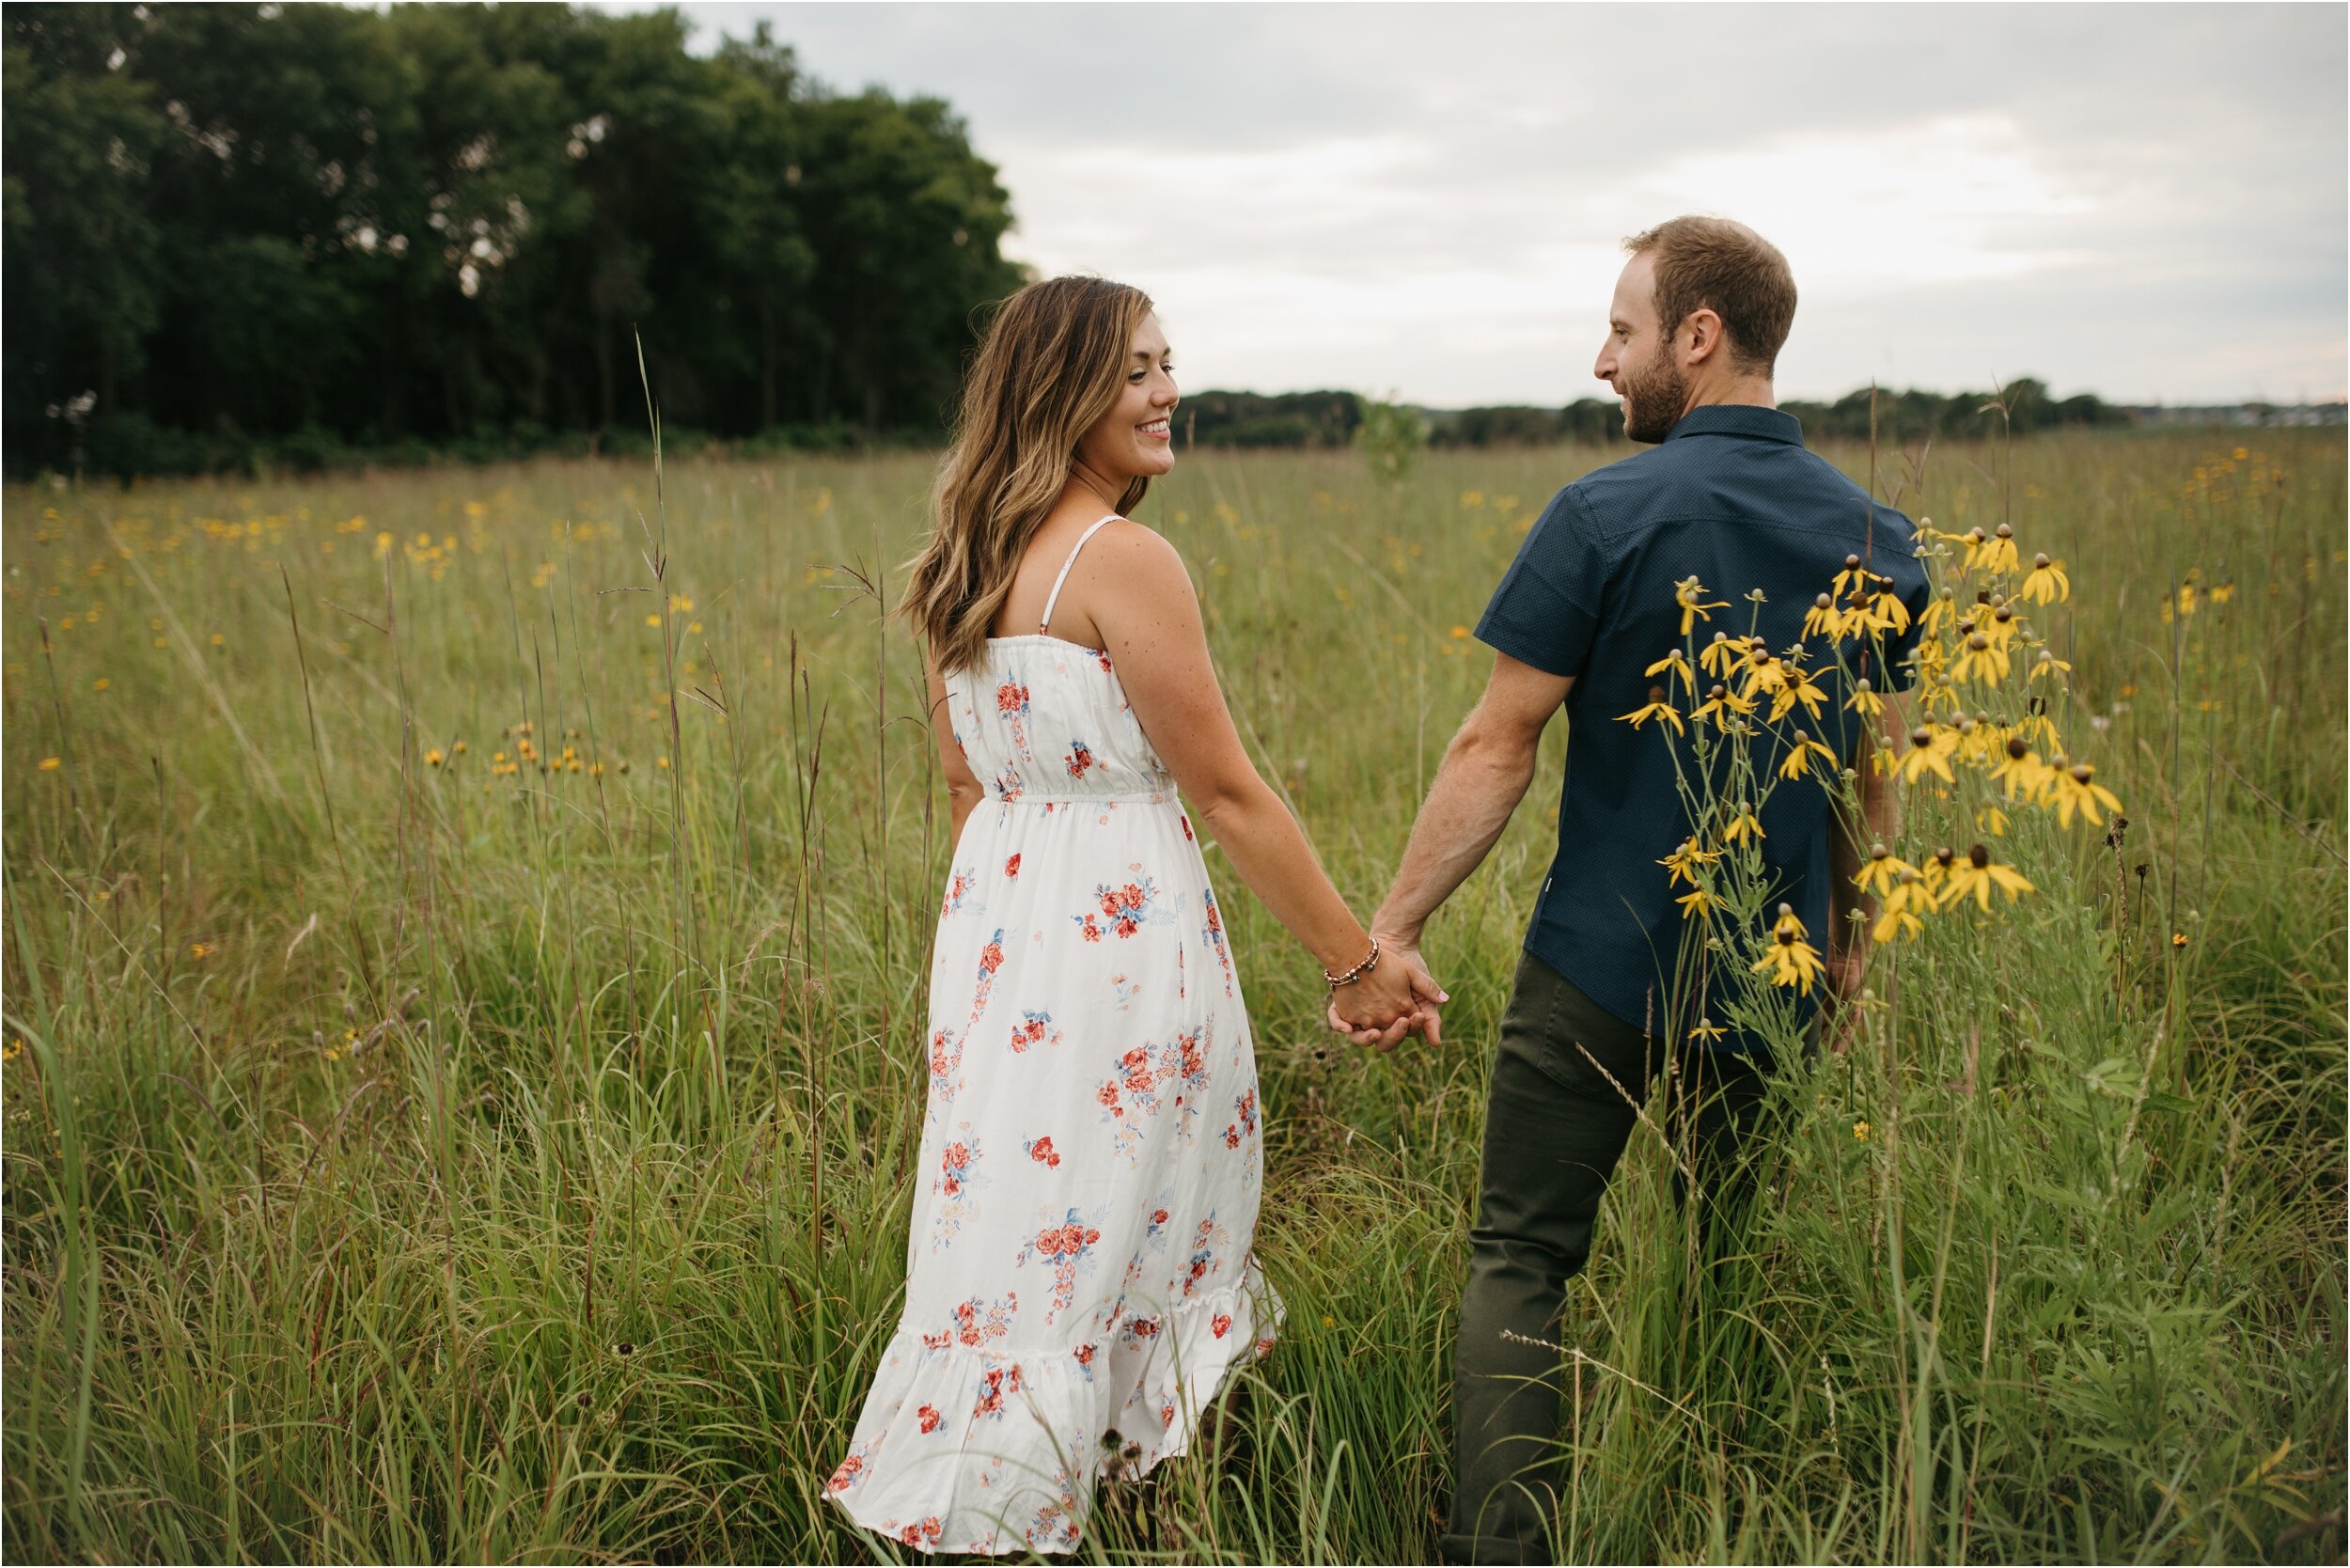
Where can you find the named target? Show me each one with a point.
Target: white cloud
(2139, 199)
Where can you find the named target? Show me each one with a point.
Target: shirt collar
(1746, 419)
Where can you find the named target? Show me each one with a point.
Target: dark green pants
(1555, 1127)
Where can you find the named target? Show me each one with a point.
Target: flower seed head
(1862, 685)
(1785, 910)
(1974, 535)
(1922, 735)
(1980, 856)
(1944, 857)
(1824, 601)
(2004, 531)
(1656, 694)
(1717, 692)
(2003, 614)
(1978, 641)
(2016, 748)
(2040, 560)
(1878, 852)
(2083, 773)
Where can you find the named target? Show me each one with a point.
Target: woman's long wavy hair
(1053, 362)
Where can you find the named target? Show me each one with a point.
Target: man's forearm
(1478, 786)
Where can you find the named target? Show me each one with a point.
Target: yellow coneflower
(2048, 665)
(1930, 749)
(1707, 1030)
(1860, 1130)
(1719, 705)
(1886, 612)
(1685, 862)
(1883, 869)
(1690, 595)
(1799, 754)
(1659, 707)
(1976, 875)
(2075, 788)
(1991, 820)
(1823, 619)
(1790, 960)
(1798, 688)
(1940, 614)
(1998, 552)
(2178, 939)
(12, 1050)
(1864, 699)
(432, 758)
(1696, 903)
(1981, 657)
(1849, 580)
(460, 747)
(202, 950)
(1743, 823)
(1720, 656)
(2046, 583)
(1678, 662)
(1900, 913)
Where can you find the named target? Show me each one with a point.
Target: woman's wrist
(1354, 965)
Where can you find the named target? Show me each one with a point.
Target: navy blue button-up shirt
(1731, 497)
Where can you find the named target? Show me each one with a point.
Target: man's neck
(1752, 391)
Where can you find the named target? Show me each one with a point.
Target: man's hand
(1427, 999)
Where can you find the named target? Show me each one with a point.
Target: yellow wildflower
(1720, 656)
(1743, 824)
(2075, 788)
(1690, 595)
(1864, 699)
(1860, 1132)
(2047, 582)
(1976, 875)
(1930, 749)
(1678, 662)
(1882, 870)
(1659, 707)
(1790, 960)
(1696, 902)
(1707, 1030)
(1686, 861)
(1799, 754)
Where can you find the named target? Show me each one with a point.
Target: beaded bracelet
(1351, 976)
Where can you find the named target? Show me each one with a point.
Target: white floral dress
(1079, 1280)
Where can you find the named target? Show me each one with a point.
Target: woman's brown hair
(1052, 363)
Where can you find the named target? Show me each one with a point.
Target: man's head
(1699, 316)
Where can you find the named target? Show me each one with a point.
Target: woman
(1079, 1280)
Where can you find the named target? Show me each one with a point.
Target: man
(1729, 496)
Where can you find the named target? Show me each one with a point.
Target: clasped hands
(1398, 997)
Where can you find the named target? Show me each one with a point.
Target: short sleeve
(1545, 613)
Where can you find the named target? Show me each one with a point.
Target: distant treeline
(298, 232)
(1329, 419)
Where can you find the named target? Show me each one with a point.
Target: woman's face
(1135, 439)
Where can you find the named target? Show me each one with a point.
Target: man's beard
(1652, 402)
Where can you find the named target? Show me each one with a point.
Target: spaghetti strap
(1046, 619)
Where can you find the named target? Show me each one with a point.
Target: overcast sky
(2143, 201)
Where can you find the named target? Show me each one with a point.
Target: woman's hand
(1381, 1002)
(1428, 998)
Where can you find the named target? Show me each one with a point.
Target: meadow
(464, 942)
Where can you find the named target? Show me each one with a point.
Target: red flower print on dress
(1136, 1330)
(1187, 821)
(926, 1534)
(1012, 698)
(1080, 758)
(954, 1169)
(1220, 1326)
(1245, 1108)
(1205, 1264)
(852, 1470)
(1034, 1029)
(1084, 1355)
(993, 1384)
(1069, 1248)
(1012, 701)
(1041, 1150)
(1011, 867)
(977, 1321)
(956, 890)
(928, 1416)
(1213, 928)
(1132, 1093)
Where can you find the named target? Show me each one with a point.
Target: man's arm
(1483, 777)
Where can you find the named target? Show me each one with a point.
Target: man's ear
(1704, 327)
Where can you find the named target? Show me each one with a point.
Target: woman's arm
(964, 789)
(1141, 601)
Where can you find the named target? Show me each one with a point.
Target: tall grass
(467, 955)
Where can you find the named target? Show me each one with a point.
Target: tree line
(251, 229)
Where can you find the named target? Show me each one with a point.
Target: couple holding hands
(1080, 1279)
